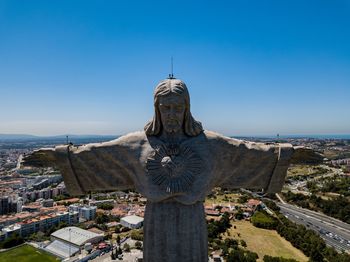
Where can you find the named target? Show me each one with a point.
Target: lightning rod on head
(171, 75)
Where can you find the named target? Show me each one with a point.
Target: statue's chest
(173, 167)
(177, 169)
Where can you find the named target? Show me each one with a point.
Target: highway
(335, 232)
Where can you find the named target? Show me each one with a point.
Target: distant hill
(17, 136)
(26, 137)
(24, 141)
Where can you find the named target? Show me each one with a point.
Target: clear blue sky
(252, 67)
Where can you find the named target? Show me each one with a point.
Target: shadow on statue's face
(172, 109)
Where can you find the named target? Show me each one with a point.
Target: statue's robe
(174, 225)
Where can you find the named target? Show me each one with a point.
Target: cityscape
(174, 131)
(37, 210)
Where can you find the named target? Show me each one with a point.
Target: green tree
(138, 245)
(101, 219)
(277, 259)
(118, 240)
(239, 255)
(38, 237)
(239, 215)
(106, 206)
(136, 234)
(117, 229)
(243, 199)
(113, 256)
(262, 220)
(12, 241)
(126, 247)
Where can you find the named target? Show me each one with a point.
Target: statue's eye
(179, 108)
(164, 107)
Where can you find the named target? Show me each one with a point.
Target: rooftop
(74, 235)
(11, 228)
(62, 249)
(253, 202)
(133, 219)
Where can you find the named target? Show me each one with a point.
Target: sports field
(265, 242)
(26, 253)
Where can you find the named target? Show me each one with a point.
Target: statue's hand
(303, 155)
(40, 158)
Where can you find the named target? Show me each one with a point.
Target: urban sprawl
(36, 209)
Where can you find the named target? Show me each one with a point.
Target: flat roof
(132, 219)
(74, 235)
(62, 249)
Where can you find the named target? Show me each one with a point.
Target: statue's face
(172, 110)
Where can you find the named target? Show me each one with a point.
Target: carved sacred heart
(174, 167)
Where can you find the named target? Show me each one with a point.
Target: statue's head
(172, 110)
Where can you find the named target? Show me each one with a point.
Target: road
(300, 186)
(335, 232)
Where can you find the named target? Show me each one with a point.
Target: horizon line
(299, 135)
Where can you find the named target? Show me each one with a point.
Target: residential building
(4, 205)
(132, 221)
(85, 212)
(88, 212)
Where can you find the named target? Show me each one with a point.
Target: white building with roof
(62, 249)
(132, 221)
(69, 240)
(76, 236)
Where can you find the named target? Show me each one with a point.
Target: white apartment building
(85, 212)
(88, 212)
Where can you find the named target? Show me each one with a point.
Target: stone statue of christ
(174, 163)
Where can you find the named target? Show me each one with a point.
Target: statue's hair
(191, 127)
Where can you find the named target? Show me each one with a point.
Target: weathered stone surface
(175, 164)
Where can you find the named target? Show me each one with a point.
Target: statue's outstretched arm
(92, 167)
(304, 155)
(258, 165)
(44, 157)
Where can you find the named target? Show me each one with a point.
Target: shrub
(136, 235)
(12, 241)
(278, 259)
(126, 247)
(138, 245)
(262, 220)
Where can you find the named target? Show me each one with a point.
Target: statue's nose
(171, 112)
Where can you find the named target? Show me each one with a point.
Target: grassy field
(265, 242)
(306, 170)
(223, 198)
(300, 170)
(26, 253)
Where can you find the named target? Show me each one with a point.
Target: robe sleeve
(249, 165)
(96, 167)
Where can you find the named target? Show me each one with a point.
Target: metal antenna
(172, 67)
(171, 75)
(67, 139)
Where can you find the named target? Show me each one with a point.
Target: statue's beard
(172, 126)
